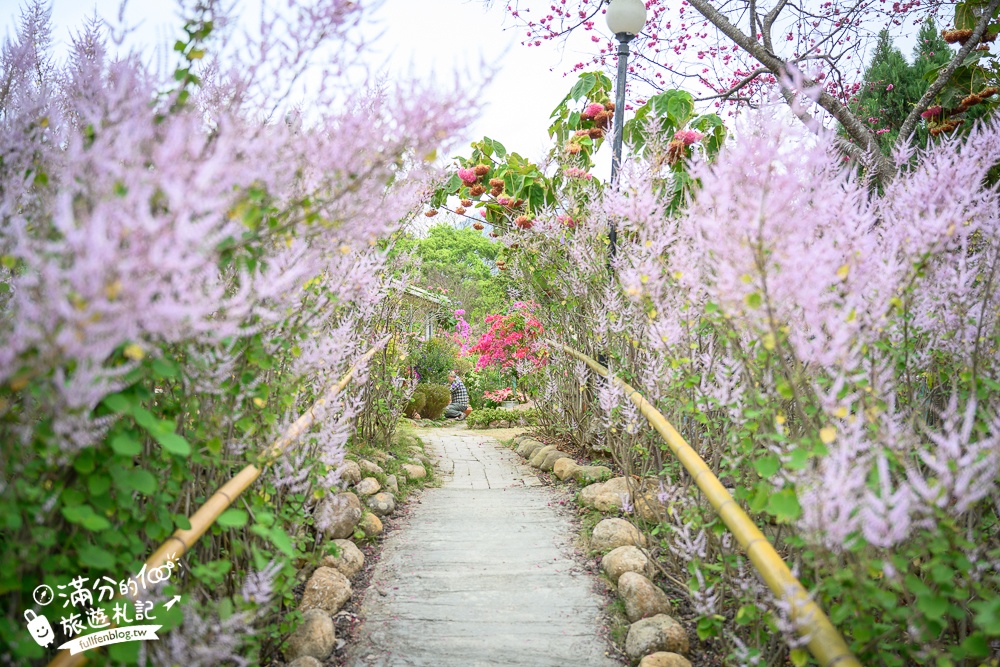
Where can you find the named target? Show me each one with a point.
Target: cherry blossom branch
(879, 164)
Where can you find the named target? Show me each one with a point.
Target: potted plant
(503, 397)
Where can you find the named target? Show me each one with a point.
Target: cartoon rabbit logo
(39, 628)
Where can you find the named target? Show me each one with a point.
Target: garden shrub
(484, 417)
(417, 401)
(437, 399)
(433, 359)
(478, 382)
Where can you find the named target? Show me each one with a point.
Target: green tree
(462, 261)
(892, 86)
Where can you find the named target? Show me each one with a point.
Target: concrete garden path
(481, 572)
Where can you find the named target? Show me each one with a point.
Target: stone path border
(481, 572)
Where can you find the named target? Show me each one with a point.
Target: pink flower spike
(592, 110)
(468, 176)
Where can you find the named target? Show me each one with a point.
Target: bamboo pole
(824, 642)
(182, 540)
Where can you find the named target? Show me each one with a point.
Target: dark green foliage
(433, 360)
(892, 85)
(483, 417)
(437, 398)
(479, 382)
(417, 402)
(461, 261)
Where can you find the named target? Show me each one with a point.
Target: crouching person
(459, 398)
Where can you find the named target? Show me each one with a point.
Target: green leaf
(988, 615)
(78, 513)
(96, 557)
(785, 389)
(125, 652)
(583, 86)
(232, 518)
(965, 18)
(767, 465)
(126, 444)
(753, 300)
(140, 480)
(784, 505)
(281, 540)
(165, 368)
(117, 403)
(975, 646)
(95, 523)
(98, 485)
(933, 606)
(173, 443)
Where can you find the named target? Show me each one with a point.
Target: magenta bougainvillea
(513, 341)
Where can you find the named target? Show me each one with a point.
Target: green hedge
(437, 398)
(417, 402)
(483, 417)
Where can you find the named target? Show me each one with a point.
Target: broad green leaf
(232, 518)
(767, 465)
(784, 505)
(173, 443)
(281, 540)
(583, 86)
(96, 557)
(126, 444)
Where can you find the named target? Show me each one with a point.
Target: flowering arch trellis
(180, 276)
(829, 348)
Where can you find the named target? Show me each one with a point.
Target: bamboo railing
(824, 642)
(183, 539)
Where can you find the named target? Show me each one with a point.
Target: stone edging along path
(654, 638)
(328, 587)
(481, 572)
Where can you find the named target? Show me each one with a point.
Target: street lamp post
(625, 19)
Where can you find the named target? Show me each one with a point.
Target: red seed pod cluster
(946, 126)
(476, 190)
(431, 213)
(494, 235)
(460, 210)
(478, 226)
(956, 36)
(523, 222)
(481, 169)
(466, 202)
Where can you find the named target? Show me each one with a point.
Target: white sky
(422, 38)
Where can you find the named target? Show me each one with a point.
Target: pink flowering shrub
(186, 262)
(513, 341)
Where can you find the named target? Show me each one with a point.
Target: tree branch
(875, 161)
(910, 124)
(753, 75)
